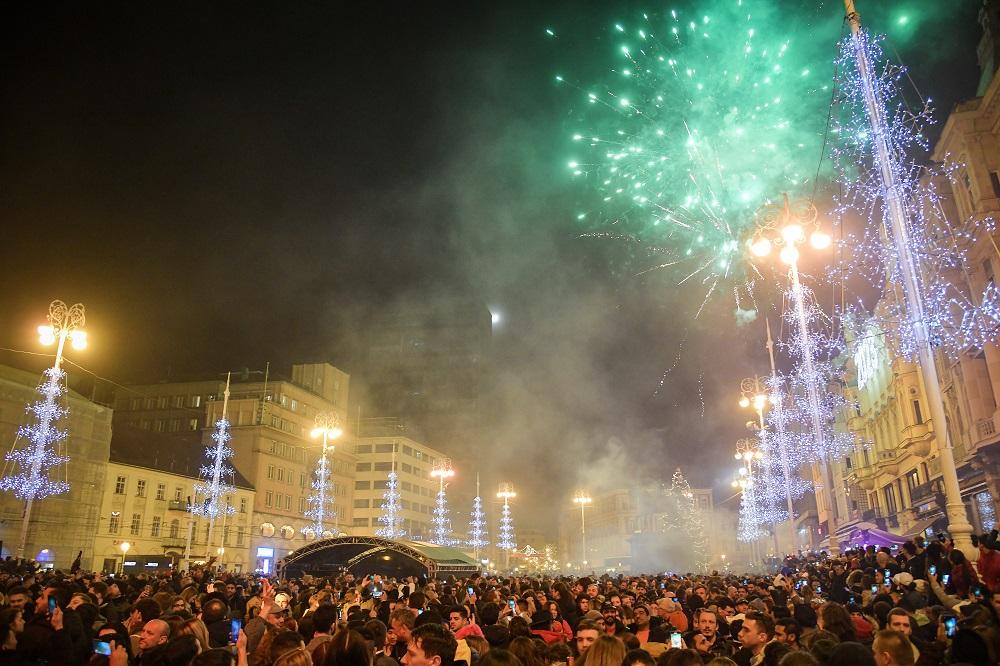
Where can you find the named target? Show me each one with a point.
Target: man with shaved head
(152, 639)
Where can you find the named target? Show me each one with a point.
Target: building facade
(271, 419)
(150, 483)
(383, 445)
(61, 526)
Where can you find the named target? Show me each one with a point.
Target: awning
(874, 537)
(921, 526)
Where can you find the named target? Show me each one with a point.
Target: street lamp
(65, 323)
(787, 227)
(327, 427)
(584, 501)
(125, 546)
(441, 470)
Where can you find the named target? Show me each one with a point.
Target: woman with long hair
(567, 604)
(194, 627)
(524, 649)
(963, 574)
(348, 648)
(834, 618)
(606, 651)
(557, 619)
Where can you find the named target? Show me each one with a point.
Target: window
(140, 488)
(362, 485)
(175, 528)
(136, 403)
(178, 401)
(362, 504)
(136, 524)
(175, 425)
(407, 450)
(407, 468)
(225, 535)
(113, 522)
(162, 402)
(239, 536)
(302, 505)
(268, 498)
(161, 491)
(995, 182)
(890, 500)
(383, 466)
(120, 485)
(418, 455)
(912, 479)
(160, 425)
(281, 474)
(295, 404)
(288, 502)
(847, 462)
(178, 493)
(385, 448)
(380, 485)
(404, 503)
(192, 424)
(194, 401)
(407, 485)
(360, 522)
(302, 480)
(270, 471)
(290, 476)
(918, 418)
(243, 505)
(154, 531)
(363, 467)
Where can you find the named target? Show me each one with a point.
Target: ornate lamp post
(786, 226)
(328, 428)
(442, 470)
(65, 323)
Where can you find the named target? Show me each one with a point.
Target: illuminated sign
(866, 357)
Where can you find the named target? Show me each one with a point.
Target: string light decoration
(478, 531)
(506, 540)
(688, 519)
(441, 519)
(213, 484)
(701, 116)
(955, 318)
(35, 461)
(320, 503)
(390, 519)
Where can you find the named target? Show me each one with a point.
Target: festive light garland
(36, 460)
(390, 518)
(478, 531)
(320, 503)
(689, 521)
(956, 319)
(506, 540)
(441, 520)
(212, 485)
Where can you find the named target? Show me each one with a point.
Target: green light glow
(703, 135)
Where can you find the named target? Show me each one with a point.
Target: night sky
(224, 185)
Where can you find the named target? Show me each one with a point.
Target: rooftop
(180, 453)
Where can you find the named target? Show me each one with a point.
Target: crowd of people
(925, 604)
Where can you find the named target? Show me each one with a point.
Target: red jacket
(989, 568)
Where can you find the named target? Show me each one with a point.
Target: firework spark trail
(693, 133)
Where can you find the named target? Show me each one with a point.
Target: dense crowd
(925, 604)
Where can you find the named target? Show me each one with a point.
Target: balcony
(922, 493)
(176, 505)
(864, 477)
(917, 439)
(888, 462)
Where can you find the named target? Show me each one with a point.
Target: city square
(533, 335)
